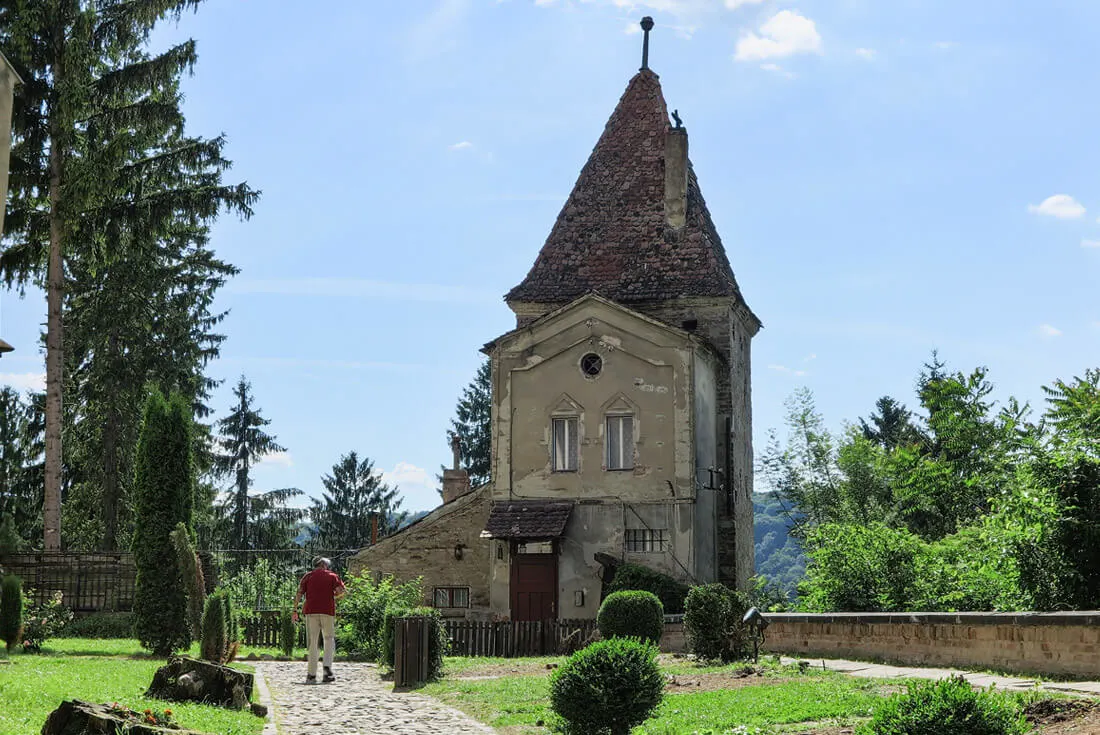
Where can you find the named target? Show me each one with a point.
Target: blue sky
(888, 178)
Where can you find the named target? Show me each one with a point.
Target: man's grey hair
(322, 561)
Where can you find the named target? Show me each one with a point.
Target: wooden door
(534, 586)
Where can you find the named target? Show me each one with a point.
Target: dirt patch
(1064, 716)
(710, 682)
(498, 670)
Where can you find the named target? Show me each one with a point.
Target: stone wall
(427, 548)
(1051, 644)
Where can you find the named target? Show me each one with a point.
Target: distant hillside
(779, 557)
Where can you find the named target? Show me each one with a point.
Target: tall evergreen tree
(164, 490)
(242, 443)
(891, 427)
(21, 464)
(354, 495)
(472, 424)
(98, 155)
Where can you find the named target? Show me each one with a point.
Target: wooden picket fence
(523, 638)
(261, 628)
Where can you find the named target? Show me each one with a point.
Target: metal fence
(521, 638)
(88, 582)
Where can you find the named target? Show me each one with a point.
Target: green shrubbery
(712, 621)
(215, 630)
(946, 707)
(363, 612)
(609, 687)
(42, 622)
(438, 643)
(671, 592)
(288, 633)
(11, 611)
(193, 581)
(631, 614)
(101, 625)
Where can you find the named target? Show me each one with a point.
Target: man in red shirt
(321, 588)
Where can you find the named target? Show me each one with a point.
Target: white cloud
(785, 34)
(809, 357)
(735, 4)
(1047, 330)
(277, 459)
(24, 381)
(788, 371)
(777, 69)
(1062, 206)
(461, 145)
(1090, 243)
(417, 486)
(866, 53)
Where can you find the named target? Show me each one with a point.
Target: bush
(192, 577)
(288, 633)
(712, 621)
(946, 707)
(363, 612)
(11, 610)
(263, 586)
(101, 625)
(42, 622)
(438, 643)
(671, 592)
(609, 687)
(163, 497)
(631, 614)
(232, 626)
(215, 633)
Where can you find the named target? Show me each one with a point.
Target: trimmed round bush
(609, 687)
(670, 591)
(946, 707)
(631, 614)
(712, 621)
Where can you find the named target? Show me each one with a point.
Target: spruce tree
(472, 424)
(21, 465)
(354, 493)
(98, 156)
(164, 489)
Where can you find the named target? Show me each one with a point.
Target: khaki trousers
(318, 625)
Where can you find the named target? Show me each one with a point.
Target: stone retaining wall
(1051, 644)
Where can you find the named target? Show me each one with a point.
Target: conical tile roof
(611, 236)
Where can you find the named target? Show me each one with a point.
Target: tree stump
(190, 680)
(74, 717)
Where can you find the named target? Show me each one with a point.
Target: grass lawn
(701, 699)
(106, 671)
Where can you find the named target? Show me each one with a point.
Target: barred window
(564, 449)
(620, 442)
(646, 540)
(451, 597)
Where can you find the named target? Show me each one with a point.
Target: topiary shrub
(670, 591)
(288, 633)
(609, 687)
(232, 626)
(101, 625)
(214, 630)
(631, 614)
(192, 577)
(946, 707)
(438, 643)
(11, 611)
(712, 621)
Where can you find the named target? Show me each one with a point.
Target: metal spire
(647, 26)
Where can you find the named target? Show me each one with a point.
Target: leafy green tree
(891, 426)
(241, 444)
(354, 494)
(98, 155)
(472, 425)
(21, 465)
(164, 489)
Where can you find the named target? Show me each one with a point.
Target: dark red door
(534, 586)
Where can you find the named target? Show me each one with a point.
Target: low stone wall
(1051, 644)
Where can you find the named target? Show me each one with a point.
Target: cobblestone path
(357, 703)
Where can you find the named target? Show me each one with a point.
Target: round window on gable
(591, 365)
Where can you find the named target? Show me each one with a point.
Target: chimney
(676, 175)
(456, 481)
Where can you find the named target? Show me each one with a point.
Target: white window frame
(619, 457)
(565, 459)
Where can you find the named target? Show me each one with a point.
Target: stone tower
(636, 231)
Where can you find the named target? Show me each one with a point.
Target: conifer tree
(260, 521)
(354, 493)
(164, 488)
(472, 424)
(99, 158)
(21, 464)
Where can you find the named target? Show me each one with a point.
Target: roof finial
(647, 26)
